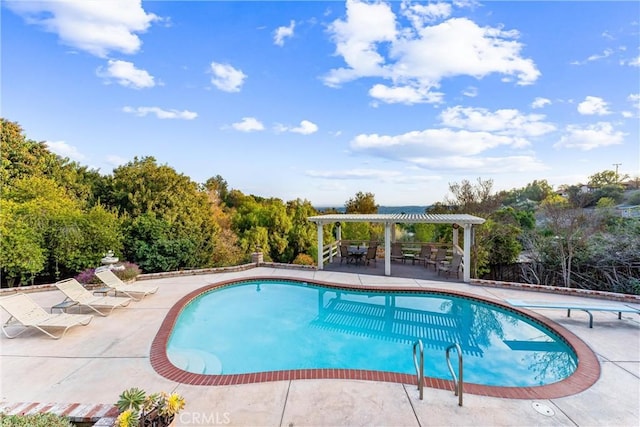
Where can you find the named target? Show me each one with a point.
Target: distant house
(628, 211)
(631, 184)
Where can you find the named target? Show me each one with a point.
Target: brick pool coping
(585, 375)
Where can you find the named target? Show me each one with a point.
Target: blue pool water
(270, 326)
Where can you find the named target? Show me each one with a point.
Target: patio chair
(372, 251)
(451, 267)
(112, 281)
(396, 252)
(425, 254)
(440, 256)
(345, 255)
(23, 311)
(74, 291)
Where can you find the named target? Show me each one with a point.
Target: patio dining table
(357, 253)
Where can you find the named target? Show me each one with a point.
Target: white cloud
(593, 105)
(540, 102)
(635, 62)
(126, 74)
(420, 14)
(606, 53)
(404, 94)
(248, 124)
(354, 174)
(282, 33)
(160, 113)
(356, 38)
(634, 99)
(503, 122)
(589, 137)
(507, 164)
(227, 78)
(63, 149)
(306, 128)
(97, 27)
(470, 91)
(417, 58)
(431, 143)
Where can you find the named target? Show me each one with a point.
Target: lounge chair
(74, 291)
(451, 267)
(112, 281)
(568, 305)
(440, 256)
(24, 311)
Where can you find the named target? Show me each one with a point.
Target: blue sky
(319, 100)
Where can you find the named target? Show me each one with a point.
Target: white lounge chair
(112, 281)
(587, 308)
(74, 291)
(25, 312)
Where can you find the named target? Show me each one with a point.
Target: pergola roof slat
(399, 218)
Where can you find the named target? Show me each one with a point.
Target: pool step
(196, 361)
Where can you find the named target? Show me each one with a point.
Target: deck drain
(543, 409)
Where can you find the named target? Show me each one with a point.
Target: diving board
(587, 308)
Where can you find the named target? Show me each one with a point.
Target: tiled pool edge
(586, 374)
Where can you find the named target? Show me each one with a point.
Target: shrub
(303, 259)
(634, 198)
(88, 276)
(35, 420)
(125, 271)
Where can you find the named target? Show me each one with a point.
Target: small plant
(136, 407)
(125, 271)
(34, 420)
(303, 259)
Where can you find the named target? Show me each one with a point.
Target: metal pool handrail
(419, 369)
(457, 382)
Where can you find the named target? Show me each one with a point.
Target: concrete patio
(93, 364)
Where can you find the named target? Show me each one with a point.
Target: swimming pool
(356, 333)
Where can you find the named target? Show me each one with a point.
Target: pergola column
(467, 253)
(320, 246)
(387, 247)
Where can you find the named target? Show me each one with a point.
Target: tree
(302, 235)
(21, 254)
(568, 230)
(142, 187)
(607, 177)
(473, 199)
(219, 186)
(22, 157)
(362, 203)
(537, 190)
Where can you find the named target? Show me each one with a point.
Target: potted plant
(137, 409)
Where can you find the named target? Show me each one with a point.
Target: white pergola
(464, 221)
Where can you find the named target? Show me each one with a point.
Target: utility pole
(616, 165)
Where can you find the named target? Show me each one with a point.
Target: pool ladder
(418, 362)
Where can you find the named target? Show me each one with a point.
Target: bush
(303, 259)
(125, 271)
(634, 198)
(35, 420)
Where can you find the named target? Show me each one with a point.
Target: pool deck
(93, 364)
